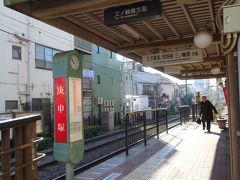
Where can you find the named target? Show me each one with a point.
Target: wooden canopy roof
(174, 30)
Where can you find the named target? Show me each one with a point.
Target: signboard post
(68, 121)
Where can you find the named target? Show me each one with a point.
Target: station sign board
(68, 144)
(172, 70)
(173, 58)
(75, 106)
(60, 109)
(142, 10)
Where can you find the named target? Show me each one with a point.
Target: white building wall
(141, 78)
(168, 89)
(20, 77)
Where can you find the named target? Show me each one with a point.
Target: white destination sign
(172, 69)
(173, 58)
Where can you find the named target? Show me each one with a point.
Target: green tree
(187, 99)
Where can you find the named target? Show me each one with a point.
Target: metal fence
(142, 125)
(195, 110)
(184, 114)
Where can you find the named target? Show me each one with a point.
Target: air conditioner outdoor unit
(111, 109)
(106, 109)
(105, 103)
(99, 100)
(112, 102)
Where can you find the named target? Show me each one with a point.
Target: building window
(148, 89)
(11, 105)
(87, 83)
(36, 104)
(16, 52)
(98, 79)
(112, 81)
(87, 108)
(111, 54)
(44, 56)
(98, 50)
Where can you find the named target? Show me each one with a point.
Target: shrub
(45, 144)
(91, 131)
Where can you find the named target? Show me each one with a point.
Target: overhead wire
(32, 25)
(15, 32)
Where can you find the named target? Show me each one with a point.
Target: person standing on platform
(206, 108)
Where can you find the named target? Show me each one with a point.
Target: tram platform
(186, 153)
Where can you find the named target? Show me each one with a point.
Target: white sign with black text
(172, 69)
(173, 58)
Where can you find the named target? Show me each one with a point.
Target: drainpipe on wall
(29, 65)
(238, 51)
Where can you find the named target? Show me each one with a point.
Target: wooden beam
(85, 26)
(159, 69)
(138, 54)
(212, 59)
(218, 50)
(206, 76)
(53, 9)
(205, 70)
(184, 66)
(133, 56)
(154, 30)
(134, 32)
(204, 52)
(77, 30)
(162, 44)
(99, 21)
(165, 18)
(212, 15)
(24, 8)
(189, 18)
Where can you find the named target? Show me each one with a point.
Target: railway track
(102, 148)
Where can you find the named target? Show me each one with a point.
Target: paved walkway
(186, 153)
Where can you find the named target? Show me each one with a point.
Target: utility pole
(186, 91)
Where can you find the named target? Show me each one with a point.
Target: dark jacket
(206, 110)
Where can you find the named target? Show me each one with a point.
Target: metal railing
(184, 114)
(19, 144)
(142, 125)
(195, 108)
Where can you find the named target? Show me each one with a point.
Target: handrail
(5, 124)
(36, 141)
(25, 145)
(184, 113)
(41, 155)
(138, 121)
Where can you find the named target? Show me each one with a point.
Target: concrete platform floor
(185, 153)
